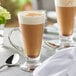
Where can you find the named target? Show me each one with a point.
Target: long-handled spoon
(11, 61)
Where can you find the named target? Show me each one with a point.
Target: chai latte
(66, 13)
(31, 26)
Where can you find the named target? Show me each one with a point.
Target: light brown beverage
(32, 38)
(32, 33)
(66, 17)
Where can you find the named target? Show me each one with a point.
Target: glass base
(65, 41)
(65, 47)
(30, 64)
(55, 44)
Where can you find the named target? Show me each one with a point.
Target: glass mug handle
(11, 42)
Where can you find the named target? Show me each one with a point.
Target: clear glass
(1, 34)
(66, 19)
(31, 27)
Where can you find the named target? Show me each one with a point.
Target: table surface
(5, 52)
(8, 50)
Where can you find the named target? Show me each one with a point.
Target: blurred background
(17, 5)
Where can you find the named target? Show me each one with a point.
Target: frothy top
(65, 3)
(31, 17)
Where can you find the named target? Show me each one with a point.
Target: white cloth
(59, 64)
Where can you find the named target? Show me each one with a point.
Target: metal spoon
(58, 47)
(51, 44)
(11, 61)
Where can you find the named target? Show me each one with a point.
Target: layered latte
(65, 16)
(31, 25)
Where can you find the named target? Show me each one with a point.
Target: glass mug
(65, 10)
(31, 26)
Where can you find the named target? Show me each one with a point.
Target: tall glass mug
(65, 10)
(31, 26)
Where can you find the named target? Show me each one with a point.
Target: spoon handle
(8, 65)
(2, 66)
(13, 65)
(51, 44)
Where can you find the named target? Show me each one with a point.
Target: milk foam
(31, 20)
(65, 3)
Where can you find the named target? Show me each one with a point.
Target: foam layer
(25, 19)
(65, 3)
